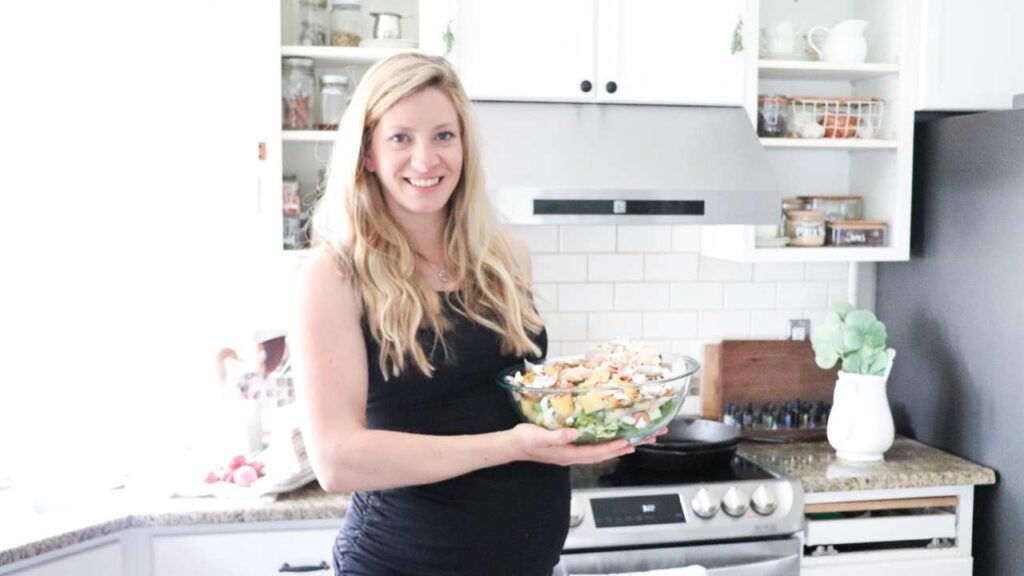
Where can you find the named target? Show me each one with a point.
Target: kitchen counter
(39, 534)
(908, 464)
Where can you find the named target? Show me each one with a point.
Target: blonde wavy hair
(374, 253)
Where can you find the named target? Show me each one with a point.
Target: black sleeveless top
(504, 520)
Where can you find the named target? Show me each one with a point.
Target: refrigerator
(955, 315)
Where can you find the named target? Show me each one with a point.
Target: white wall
(650, 282)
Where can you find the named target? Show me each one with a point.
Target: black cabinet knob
(611, 87)
(586, 85)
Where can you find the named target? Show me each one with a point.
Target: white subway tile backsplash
(641, 296)
(545, 297)
(778, 271)
(577, 347)
(588, 238)
(645, 238)
(826, 271)
(559, 268)
(615, 267)
(772, 323)
(713, 269)
(566, 326)
(671, 325)
(539, 238)
(696, 296)
(686, 238)
(670, 267)
(816, 316)
(723, 324)
(610, 325)
(802, 295)
(838, 292)
(749, 296)
(554, 348)
(585, 297)
(692, 348)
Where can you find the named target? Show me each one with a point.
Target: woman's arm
(329, 356)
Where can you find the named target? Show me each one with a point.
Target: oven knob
(762, 501)
(734, 503)
(703, 505)
(576, 513)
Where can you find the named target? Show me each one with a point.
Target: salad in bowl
(617, 390)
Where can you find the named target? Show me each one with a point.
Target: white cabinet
(244, 553)
(973, 55)
(878, 168)
(640, 51)
(101, 561)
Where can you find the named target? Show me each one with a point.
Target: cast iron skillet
(691, 444)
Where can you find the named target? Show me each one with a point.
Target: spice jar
(291, 203)
(805, 228)
(334, 97)
(297, 88)
(346, 23)
(313, 21)
(771, 116)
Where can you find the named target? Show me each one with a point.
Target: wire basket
(836, 117)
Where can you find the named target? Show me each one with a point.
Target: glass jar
(346, 23)
(313, 21)
(771, 116)
(334, 97)
(805, 228)
(856, 233)
(297, 89)
(836, 207)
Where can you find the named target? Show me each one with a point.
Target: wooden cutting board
(759, 371)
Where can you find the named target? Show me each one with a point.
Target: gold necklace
(442, 273)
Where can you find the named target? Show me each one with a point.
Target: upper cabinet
(973, 55)
(640, 51)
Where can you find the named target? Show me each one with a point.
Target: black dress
(504, 520)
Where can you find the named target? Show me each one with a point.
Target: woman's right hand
(537, 444)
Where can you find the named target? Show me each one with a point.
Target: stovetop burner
(625, 473)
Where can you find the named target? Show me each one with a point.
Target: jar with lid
(771, 116)
(313, 21)
(297, 89)
(346, 23)
(805, 228)
(334, 97)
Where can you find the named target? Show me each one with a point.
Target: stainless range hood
(564, 163)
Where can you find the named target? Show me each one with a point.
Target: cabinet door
(102, 561)
(527, 49)
(243, 553)
(671, 51)
(972, 55)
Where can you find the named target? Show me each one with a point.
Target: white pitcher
(844, 43)
(860, 425)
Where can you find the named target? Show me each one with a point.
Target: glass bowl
(632, 410)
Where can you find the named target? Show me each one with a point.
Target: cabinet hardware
(586, 86)
(286, 567)
(611, 87)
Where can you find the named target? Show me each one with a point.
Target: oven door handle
(767, 567)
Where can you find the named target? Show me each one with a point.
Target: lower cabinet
(244, 553)
(104, 560)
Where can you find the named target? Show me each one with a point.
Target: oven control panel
(637, 510)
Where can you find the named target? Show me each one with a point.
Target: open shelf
(829, 143)
(309, 135)
(342, 55)
(816, 70)
(738, 244)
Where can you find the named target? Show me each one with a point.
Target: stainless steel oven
(735, 520)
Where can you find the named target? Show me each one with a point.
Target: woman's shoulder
(325, 279)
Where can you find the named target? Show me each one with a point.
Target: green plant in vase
(860, 425)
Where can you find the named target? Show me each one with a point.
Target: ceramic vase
(860, 426)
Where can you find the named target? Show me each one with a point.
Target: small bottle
(297, 89)
(291, 211)
(346, 23)
(313, 21)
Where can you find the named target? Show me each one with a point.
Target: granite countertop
(908, 464)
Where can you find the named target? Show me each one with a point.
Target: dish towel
(688, 571)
